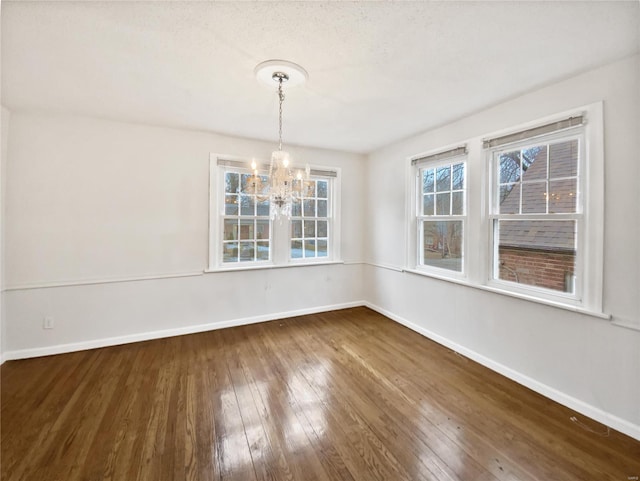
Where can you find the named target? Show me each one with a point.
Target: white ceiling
(378, 71)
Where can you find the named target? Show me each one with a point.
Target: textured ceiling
(378, 71)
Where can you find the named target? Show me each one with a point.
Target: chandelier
(283, 186)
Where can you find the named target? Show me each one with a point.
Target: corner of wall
(4, 128)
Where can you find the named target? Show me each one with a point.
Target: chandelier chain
(281, 97)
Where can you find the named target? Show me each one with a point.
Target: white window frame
(279, 230)
(589, 214)
(416, 231)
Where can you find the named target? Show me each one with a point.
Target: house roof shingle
(561, 173)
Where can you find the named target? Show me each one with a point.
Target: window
(242, 233)
(520, 214)
(246, 225)
(311, 219)
(441, 210)
(545, 212)
(537, 212)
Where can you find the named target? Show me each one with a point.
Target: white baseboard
(147, 336)
(577, 405)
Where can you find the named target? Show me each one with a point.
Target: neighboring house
(539, 253)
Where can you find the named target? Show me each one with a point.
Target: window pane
(322, 189)
(246, 229)
(322, 208)
(230, 252)
(248, 184)
(253, 184)
(563, 159)
(264, 180)
(537, 253)
(296, 208)
(509, 167)
(534, 163)
(309, 248)
(296, 249)
(509, 199)
(534, 198)
(263, 208)
(309, 208)
(322, 228)
(442, 244)
(230, 229)
(309, 228)
(458, 203)
(310, 188)
(427, 205)
(322, 248)
(247, 205)
(458, 177)
(231, 182)
(262, 249)
(427, 181)
(562, 196)
(296, 229)
(443, 178)
(443, 204)
(231, 204)
(247, 251)
(262, 229)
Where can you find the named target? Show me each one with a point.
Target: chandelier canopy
(283, 186)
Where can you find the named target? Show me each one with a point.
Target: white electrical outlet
(47, 323)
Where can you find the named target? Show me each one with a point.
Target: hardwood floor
(343, 395)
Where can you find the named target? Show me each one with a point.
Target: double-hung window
(441, 210)
(540, 238)
(243, 232)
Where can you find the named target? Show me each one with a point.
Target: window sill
(517, 295)
(270, 266)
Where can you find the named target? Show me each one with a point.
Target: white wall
(4, 127)
(583, 361)
(92, 201)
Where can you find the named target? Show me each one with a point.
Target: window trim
(280, 232)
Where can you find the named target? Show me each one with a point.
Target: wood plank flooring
(343, 395)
